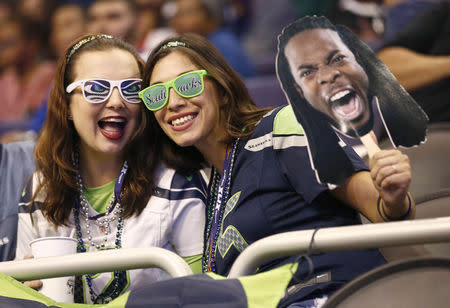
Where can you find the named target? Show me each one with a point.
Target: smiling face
(104, 128)
(328, 76)
(187, 121)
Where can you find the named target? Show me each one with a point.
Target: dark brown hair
(58, 141)
(238, 112)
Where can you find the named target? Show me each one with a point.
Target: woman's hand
(391, 175)
(34, 284)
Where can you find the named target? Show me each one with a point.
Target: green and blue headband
(173, 44)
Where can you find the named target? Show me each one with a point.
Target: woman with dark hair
(404, 121)
(98, 174)
(262, 182)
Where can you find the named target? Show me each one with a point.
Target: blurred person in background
(16, 158)
(114, 17)
(365, 18)
(24, 75)
(6, 9)
(36, 10)
(399, 13)
(376, 21)
(66, 24)
(238, 16)
(206, 17)
(37, 13)
(151, 27)
(16, 165)
(260, 39)
(267, 19)
(419, 57)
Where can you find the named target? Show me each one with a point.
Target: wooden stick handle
(370, 144)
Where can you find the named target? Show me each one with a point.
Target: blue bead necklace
(103, 222)
(217, 197)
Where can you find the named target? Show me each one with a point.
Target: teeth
(114, 120)
(339, 95)
(183, 120)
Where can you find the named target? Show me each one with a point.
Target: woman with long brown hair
(98, 174)
(262, 182)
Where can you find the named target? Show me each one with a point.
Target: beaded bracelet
(387, 218)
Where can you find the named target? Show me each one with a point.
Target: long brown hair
(238, 112)
(58, 141)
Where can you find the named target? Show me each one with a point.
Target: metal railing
(97, 262)
(423, 231)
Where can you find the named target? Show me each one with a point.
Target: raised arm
(415, 70)
(381, 194)
(418, 55)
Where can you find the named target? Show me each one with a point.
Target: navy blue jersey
(275, 190)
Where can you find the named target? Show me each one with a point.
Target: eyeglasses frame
(170, 84)
(113, 83)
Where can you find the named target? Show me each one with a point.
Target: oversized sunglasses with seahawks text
(97, 91)
(186, 85)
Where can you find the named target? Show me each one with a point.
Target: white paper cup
(59, 289)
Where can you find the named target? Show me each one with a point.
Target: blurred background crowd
(412, 37)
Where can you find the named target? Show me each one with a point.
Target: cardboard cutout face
(328, 76)
(332, 80)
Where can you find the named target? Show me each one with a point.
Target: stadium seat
(430, 161)
(430, 187)
(414, 283)
(428, 206)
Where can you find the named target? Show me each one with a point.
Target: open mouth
(112, 128)
(346, 105)
(183, 120)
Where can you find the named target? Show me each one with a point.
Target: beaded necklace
(103, 221)
(218, 195)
